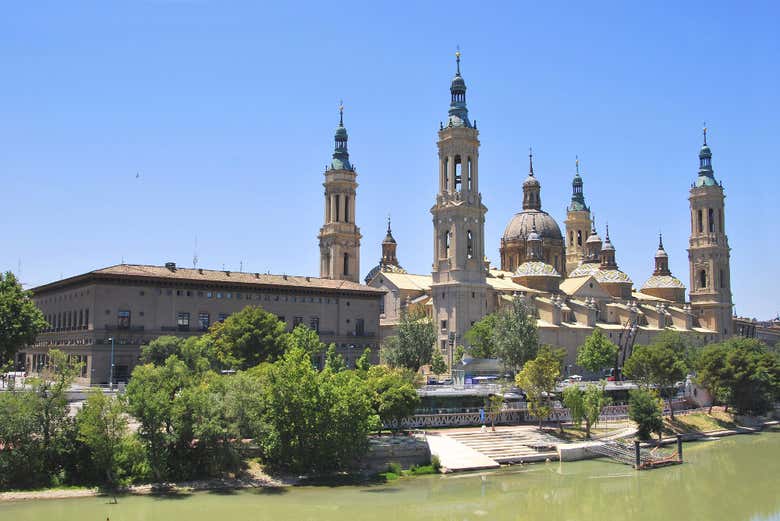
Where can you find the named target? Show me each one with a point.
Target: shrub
(644, 407)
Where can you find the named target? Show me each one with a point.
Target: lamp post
(111, 372)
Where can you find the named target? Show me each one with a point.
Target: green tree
(538, 378)
(593, 402)
(597, 353)
(364, 362)
(21, 448)
(315, 421)
(495, 405)
(644, 407)
(515, 335)
(102, 427)
(712, 373)
(248, 338)
(438, 364)
(305, 338)
(459, 353)
(573, 400)
(414, 345)
(661, 364)
(480, 337)
(393, 396)
(158, 350)
(20, 318)
(333, 360)
(390, 352)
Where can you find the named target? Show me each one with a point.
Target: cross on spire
(704, 131)
(531, 160)
(341, 113)
(457, 59)
(660, 241)
(577, 164)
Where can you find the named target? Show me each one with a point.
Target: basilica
(570, 278)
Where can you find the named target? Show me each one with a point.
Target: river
(734, 479)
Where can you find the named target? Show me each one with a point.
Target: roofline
(96, 275)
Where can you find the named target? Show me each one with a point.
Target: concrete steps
(509, 446)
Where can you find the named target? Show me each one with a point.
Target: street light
(111, 373)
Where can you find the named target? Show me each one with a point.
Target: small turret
(532, 199)
(340, 153)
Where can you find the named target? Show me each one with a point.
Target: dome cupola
(340, 153)
(458, 113)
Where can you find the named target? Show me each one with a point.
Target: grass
(700, 422)
(573, 433)
(395, 472)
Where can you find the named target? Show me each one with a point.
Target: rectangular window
(360, 327)
(314, 323)
(86, 318)
(297, 320)
(209, 294)
(222, 317)
(123, 319)
(219, 295)
(711, 220)
(444, 325)
(183, 321)
(204, 321)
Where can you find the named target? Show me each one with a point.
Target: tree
(393, 396)
(573, 400)
(538, 378)
(438, 364)
(306, 338)
(593, 402)
(20, 318)
(597, 352)
(661, 363)
(102, 427)
(158, 350)
(315, 421)
(364, 362)
(515, 336)
(414, 345)
(248, 338)
(390, 352)
(495, 404)
(644, 407)
(333, 360)
(459, 353)
(712, 374)
(480, 338)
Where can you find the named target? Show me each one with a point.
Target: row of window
(711, 222)
(64, 297)
(74, 319)
(229, 295)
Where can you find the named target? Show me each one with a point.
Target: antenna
(241, 266)
(195, 254)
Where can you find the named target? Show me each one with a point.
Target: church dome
(536, 269)
(663, 281)
(531, 181)
(521, 224)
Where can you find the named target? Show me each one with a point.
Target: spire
(577, 195)
(608, 253)
(706, 175)
(389, 257)
(389, 236)
(340, 153)
(458, 113)
(534, 243)
(661, 259)
(531, 188)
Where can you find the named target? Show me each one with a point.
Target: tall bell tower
(708, 251)
(339, 236)
(577, 223)
(459, 289)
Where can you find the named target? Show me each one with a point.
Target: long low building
(133, 304)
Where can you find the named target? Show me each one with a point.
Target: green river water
(735, 478)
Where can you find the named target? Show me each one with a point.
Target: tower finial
(531, 161)
(341, 113)
(704, 131)
(607, 238)
(660, 241)
(388, 223)
(577, 164)
(457, 59)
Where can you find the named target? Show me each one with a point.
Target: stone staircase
(510, 445)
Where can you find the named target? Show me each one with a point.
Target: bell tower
(577, 223)
(339, 236)
(459, 289)
(708, 251)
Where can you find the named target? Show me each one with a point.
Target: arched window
(447, 244)
(720, 221)
(703, 279)
(346, 208)
(700, 225)
(711, 220)
(458, 173)
(722, 280)
(471, 174)
(446, 174)
(571, 238)
(346, 264)
(579, 237)
(469, 245)
(338, 202)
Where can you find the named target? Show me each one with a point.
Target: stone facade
(134, 304)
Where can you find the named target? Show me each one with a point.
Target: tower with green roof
(708, 250)
(339, 236)
(459, 290)
(577, 223)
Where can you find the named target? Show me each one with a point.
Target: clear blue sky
(227, 111)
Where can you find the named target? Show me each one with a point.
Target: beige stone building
(134, 304)
(572, 281)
